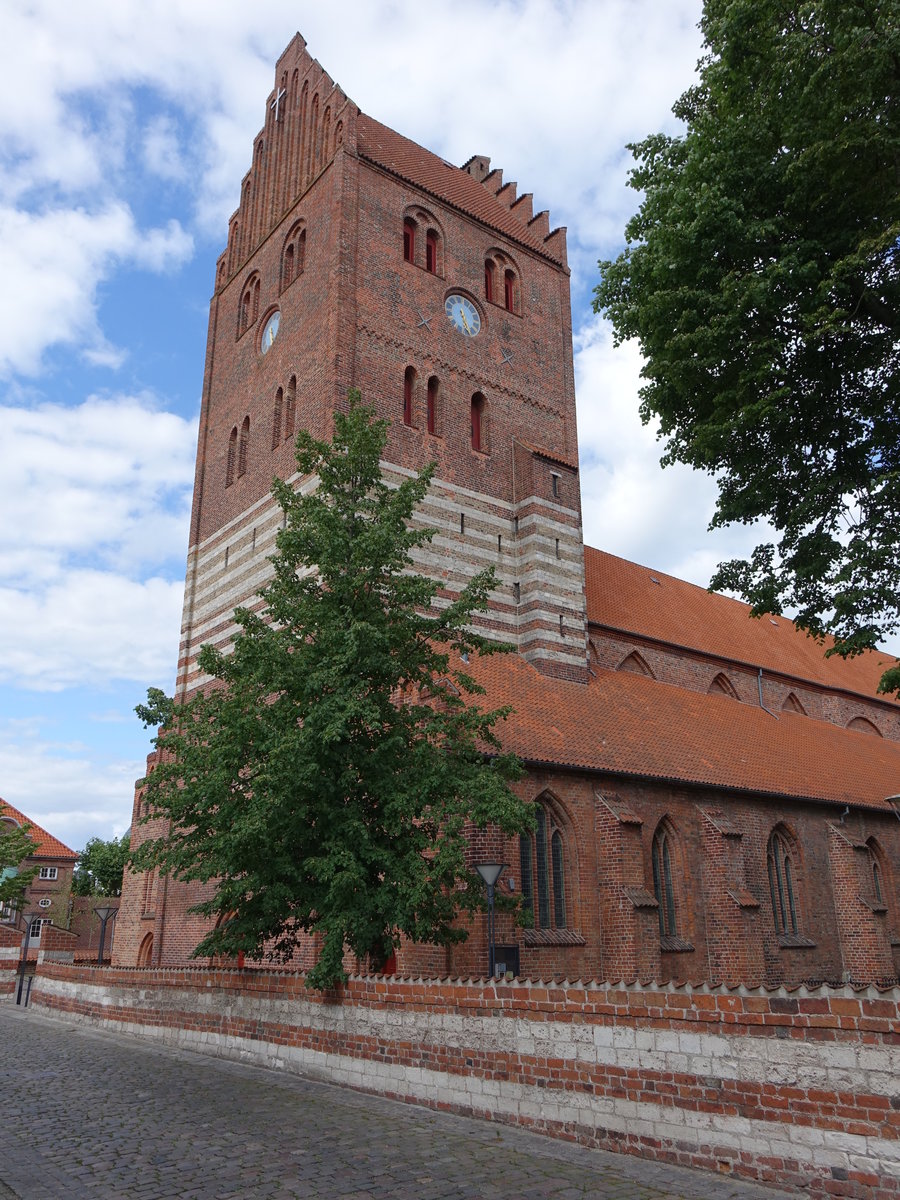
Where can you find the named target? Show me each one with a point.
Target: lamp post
(106, 913)
(27, 918)
(490, 873)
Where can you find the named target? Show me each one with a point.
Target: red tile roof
(630, 724)
(46, 845)
(625, 596)
(458, 188)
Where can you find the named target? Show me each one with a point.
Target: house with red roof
(714, 798)
(48, 893)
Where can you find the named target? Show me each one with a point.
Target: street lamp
(105, 913)
(490, 873)
(27, 918)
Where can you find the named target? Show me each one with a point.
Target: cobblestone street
(103, 1115)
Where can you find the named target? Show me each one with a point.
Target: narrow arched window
(431, 251)
(243, 447)
(409, 240)
(663, 883)
(479, 422)
(781, 867)
(409, 383)
(231, 461)
(431, 411)
(276, 419)
(509, 291)
(290, 411)
(489, 279)
(543, 871)
(287, 274)
(255, 312)
(301, 251)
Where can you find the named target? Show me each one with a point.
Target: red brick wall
(790, 1089)
(694, 670)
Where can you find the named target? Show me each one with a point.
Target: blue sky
(125, 129)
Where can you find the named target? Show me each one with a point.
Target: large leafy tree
(762, 279)
(100, 868)
(15, 847)
(325, 781)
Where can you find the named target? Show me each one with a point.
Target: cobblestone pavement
(98, 1115)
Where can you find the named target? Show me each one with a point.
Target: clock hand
(462, 316)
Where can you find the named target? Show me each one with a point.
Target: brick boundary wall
(794, 1088)
(10, 954)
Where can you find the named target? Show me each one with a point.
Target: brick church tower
(358, 259)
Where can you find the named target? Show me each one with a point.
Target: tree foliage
(15, 846)
(100, 867)
(762, 279)
(324, 783)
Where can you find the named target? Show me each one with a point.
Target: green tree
(100, 867)
(325, 783)
(762, 279)
(15, 846)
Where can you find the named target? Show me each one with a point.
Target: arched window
(509, 291)
(489, 285)
(792, 704)
(542, 863)
(479, 423)
(409, 240)
(782, 866)
(862, 725)
(276, 419)
(431, 411)
(290, 412)
(231, 462)
(723, 686)
(663, 881)
(879, 877)
(409, 384)
(636, 664)
(145, 951)
(431, 251)
(243, 447)
(293, 255)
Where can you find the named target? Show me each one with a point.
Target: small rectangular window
(554, 483)
(48, 872)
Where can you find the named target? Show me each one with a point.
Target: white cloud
(52, 264)
(111, 476)
(94, 498)
(632, 507)
(71, 791)
(92, 627)
(162, 150)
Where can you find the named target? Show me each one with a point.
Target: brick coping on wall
(790, 1086)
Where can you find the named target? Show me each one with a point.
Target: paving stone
(101, 1115)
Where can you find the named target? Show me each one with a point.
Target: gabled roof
(632, 725)
(415, 164)
(46, 845)
(624, 596)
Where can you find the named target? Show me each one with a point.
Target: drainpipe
(759, 689)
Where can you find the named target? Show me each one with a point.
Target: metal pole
(22, 964)
(490, 900)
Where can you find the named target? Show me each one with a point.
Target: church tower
(358, 259)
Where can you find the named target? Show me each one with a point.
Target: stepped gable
(630, 725)
(46, 845)
(380, 145)
(623, 596)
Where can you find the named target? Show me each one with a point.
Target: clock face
(463, 314)
(270, 331)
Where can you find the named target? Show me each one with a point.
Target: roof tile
(47, 846)
(624, 596)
